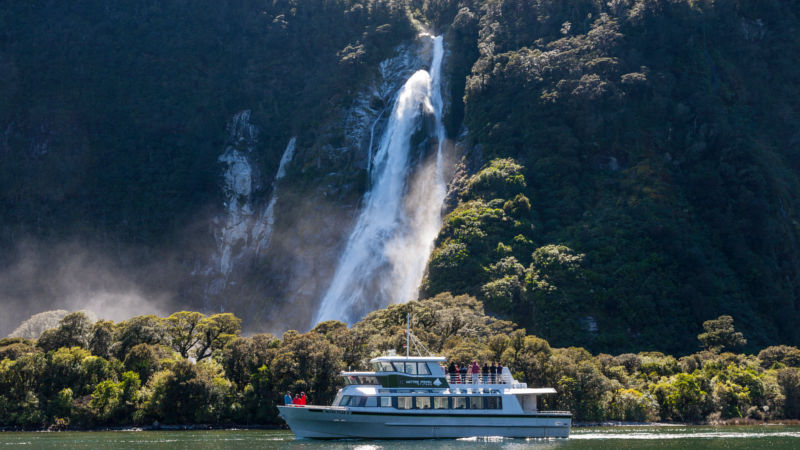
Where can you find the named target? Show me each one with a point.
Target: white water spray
(386, 253)
(267, 224)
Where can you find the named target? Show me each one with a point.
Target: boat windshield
(383, 366)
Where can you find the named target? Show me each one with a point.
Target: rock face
(242, 232)
(273, 255)
(241, 227)
(318, 207)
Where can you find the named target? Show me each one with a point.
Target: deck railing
(479, 378)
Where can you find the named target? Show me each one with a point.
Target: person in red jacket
(303, 398)
(476, 370)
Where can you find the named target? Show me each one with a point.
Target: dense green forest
(630, 167)
(190, 368)
(114, 113)
(652, 179)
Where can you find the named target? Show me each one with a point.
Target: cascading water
(384, 260)
(267, 224)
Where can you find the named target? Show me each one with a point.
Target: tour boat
(413, 397)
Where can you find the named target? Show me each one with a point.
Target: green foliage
(783, 355)
(147, 329)
(720, 334)
(145, 360)
(101, 338)
(216, 331)
(136, 101)
(73, 331)
(244, 379)
(184, 331)
(651, 140)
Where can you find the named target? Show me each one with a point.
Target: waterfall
(385, 256)
(263, 233)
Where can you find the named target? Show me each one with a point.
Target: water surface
(662, 437)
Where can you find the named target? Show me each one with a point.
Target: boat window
(372, 402)
(404, 403)
(387, 366)
(368, 380)
(386, 402)
(422, 369)
(411, 368)
(423, 402)
(359, 401)
(493, 403)
(440, 402)
(398, 367)
(459, 403)
(345, 401)
(476, 403)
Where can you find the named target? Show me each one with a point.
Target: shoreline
(234, 427)
(155, 427)
(714, 423)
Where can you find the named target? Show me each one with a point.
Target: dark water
(662, 437)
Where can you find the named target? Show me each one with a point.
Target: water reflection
(669, 437)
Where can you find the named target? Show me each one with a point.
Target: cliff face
(125, 135)
(275, 253)
(630, 167)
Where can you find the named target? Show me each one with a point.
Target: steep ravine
(276, 245)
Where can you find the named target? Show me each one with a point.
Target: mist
(74, 276)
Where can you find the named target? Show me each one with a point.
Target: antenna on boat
(408, 333)
(412, 340)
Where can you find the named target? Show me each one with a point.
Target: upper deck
(427, 372)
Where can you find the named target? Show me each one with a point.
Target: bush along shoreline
(189, 368)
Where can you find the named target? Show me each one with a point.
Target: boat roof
(408, 358)
(530, 391)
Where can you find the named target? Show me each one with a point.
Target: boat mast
(408, 333)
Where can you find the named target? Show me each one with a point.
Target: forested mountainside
(653, 181)
(114, 120)
(629, 166)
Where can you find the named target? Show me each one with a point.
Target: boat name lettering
(419, 382)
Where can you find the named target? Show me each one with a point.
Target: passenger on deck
(493, 373)
(303, 398)
(475, 371)
(485, 373)
(287, 399)
(462, 373)
(500, 373)
(452, 370)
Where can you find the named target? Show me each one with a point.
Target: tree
(145, 359)
(38, 323)
(101, 338)
(720, 335)
(216, 331)
(183, 331)
(789, 382)
(73, 331)
(137, 330)
(239, 360)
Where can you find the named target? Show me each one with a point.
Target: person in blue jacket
(287, 399)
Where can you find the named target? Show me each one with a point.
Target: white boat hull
(340, 423)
